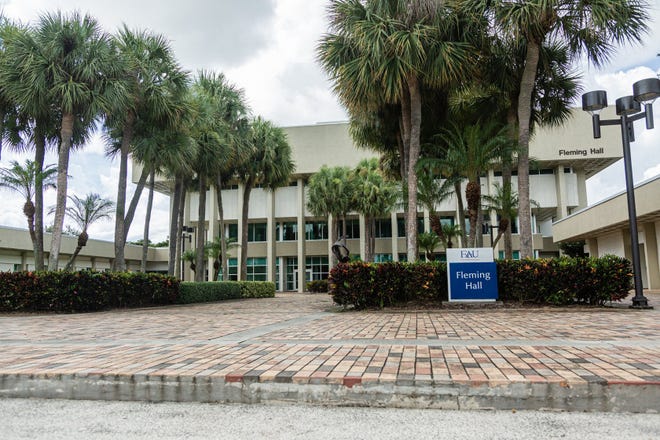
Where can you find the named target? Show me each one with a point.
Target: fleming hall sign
(471, 274)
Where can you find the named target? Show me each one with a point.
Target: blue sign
(472, 281)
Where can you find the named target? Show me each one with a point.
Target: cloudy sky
(267, 48)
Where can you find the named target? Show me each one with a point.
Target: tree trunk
(461, 211)
(132, 207)
(39, 155)
(221, 226)
(506, 182)
(82, 242)
(179, 233)
(200, 260)
(66, 134)
(174, 227)
(524, 122)
(119, 264)
(244, 228)
(415, 133)
(147, 219)
(28, 210)
(473, 196)
(480, 222)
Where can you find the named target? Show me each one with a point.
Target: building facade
(288, 245)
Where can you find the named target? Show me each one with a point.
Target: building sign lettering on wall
(582, 152)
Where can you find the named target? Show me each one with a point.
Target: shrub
(559, 281)
(83, 291)
(198, 292)
(257, 289)
(317, 286)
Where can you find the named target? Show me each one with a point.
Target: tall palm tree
(218, 133)
(591, 29)
(330, 192)
(269, 165)
(154, 93)
(373, 197)
(22, 180)
(70, 69)
(84, 212)
(383, 52)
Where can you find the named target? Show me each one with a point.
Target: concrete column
(560, 186)
(363, 232)
(592, 243)
(212, 209)
(581, 188)
(239, 229)
(24, 261)
(271, 239)
(395, 237)
(652, 260)
(330, 242)
(301, 235)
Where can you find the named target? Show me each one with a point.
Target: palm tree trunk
(461, 211)
(473, 196)
(39, 156)
(132, 207)
(147, 219)
(524, 121)
(415, 133)
(174, 227)
(221, 226)
(28, 210)
(199, 244)
(119, 264)
(506, 182)
(179, 232)
(244, 227)
(69, 264)
(62, 181)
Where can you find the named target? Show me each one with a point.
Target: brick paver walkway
(303, 339)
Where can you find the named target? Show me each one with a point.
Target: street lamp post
(628, 109)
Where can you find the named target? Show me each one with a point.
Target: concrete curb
(634, 397)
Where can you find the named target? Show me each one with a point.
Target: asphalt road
(70, 420)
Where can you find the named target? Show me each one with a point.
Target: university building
(288, 245)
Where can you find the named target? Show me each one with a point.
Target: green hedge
(559, 281)
(317, 286)
(198, 292)
(84, 291)
(257, 289)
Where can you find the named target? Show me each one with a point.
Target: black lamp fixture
(628, 108)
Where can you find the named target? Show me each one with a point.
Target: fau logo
(470, 254)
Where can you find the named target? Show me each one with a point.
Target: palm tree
(22, 180)
(373, 197)
(69, 69)
(220, 145)
(586, 28)
(330, 192)
(84, 212)
(384, 52)
(213, 250)
(431, 192)
(269, 165)
(153, 97)
(470, 152)
(429, 241)
(450, 232)
(505, 204)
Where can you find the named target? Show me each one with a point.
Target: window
(352, 228)
(232, 266)
(383, 228)
(256, 232)
(450, 221)
(232, 231)
(256, 269)
(316, 230)
(319, 267)
(287, 231)
(382, 258)
(516, 255)
(401, 226)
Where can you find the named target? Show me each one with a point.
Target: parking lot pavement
(299, 347)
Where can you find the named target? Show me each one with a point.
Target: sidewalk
(299, 348)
